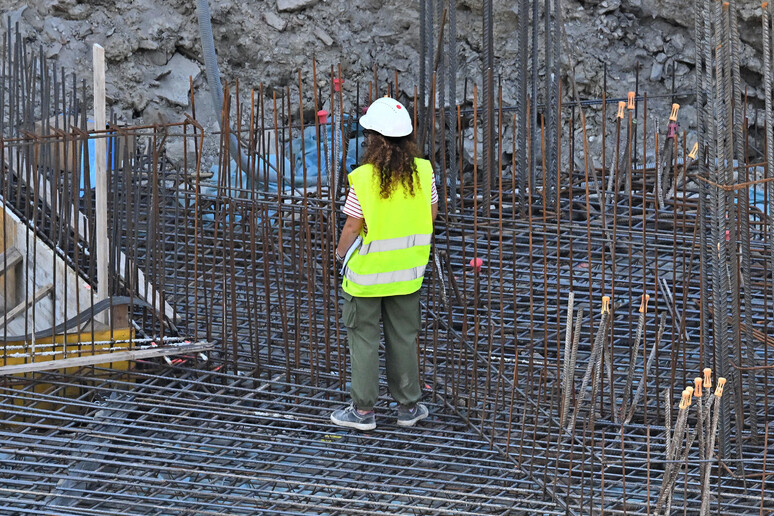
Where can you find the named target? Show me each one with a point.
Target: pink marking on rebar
(337, 84)
(322, 115)
(476, 263)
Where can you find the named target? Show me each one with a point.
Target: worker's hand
(338, 261)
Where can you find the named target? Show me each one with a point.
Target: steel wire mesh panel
(205, 442)
(538, 407)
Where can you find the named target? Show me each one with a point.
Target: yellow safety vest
(396, 248)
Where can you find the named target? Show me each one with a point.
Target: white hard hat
(387, 117)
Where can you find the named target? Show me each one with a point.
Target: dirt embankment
(152, 46)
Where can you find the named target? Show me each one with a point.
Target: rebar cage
(545, 398)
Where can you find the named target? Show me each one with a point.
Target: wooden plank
(22, 307)
(72, 345)
(145, 290)
(13, 256)
(8, 281)
(102, 358)
(100, 153)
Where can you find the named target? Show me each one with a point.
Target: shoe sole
(350, 424)
(412, 422)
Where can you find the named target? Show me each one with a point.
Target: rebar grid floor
(250, 270)
(194, 441)
(511, 313)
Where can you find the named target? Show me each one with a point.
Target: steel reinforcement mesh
(545, 399)
(196, 441)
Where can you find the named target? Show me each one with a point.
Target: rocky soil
(152, 46)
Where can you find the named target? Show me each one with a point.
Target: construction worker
(391, 205)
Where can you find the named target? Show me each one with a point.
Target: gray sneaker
(349, 417)
(409, 416)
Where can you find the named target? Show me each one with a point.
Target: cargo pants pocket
(349, 311)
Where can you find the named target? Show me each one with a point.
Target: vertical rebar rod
(521, 106)
(451, 56)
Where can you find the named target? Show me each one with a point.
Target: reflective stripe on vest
(395, 244)
(382, 278)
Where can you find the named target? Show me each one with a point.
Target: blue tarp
(92, 151)
(302, 152)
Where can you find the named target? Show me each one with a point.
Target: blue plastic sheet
(305, 154)
(92, 153)
(298, 169)
(300, 162)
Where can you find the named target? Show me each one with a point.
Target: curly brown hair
(393, 161)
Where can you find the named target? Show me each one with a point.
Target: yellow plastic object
(694, 151)
(631, 100)
(684, 400)
(707, 377)
(673, 115)
(644, 303)
(605, 304)
(719, 388)
(621, 107)
(697, 387)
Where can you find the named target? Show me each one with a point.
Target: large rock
(182, 154)
(294, 5)
(174, 79)
(673, 10)
(274, 21)
(687, 116)
(656, 71)
(13, 17)
(323, 36)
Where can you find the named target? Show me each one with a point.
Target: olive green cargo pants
(401, 317)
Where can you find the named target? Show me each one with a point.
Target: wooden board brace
(102, 358)
(24, 305)
(9, 259)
